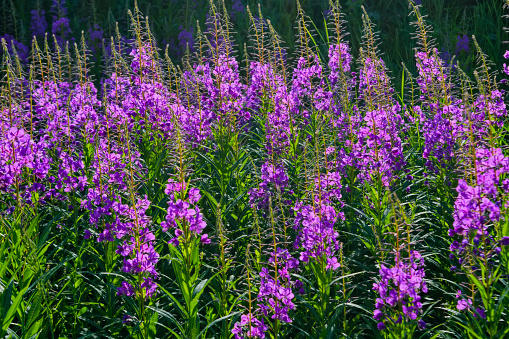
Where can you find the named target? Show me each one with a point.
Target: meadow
(253, 175)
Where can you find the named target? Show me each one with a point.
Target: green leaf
(8, 316)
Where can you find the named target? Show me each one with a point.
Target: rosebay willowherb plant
(253, 190)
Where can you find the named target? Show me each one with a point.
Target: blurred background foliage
(174, 23)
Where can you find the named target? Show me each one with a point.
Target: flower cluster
(462, 44)
(440, 135)
(237, 8)
(183, 215)
(505, 68)
(374, 83)
(465, 303)
(38, 23)
(340, 61)
(61, 29)
(317, 237)
(137, 248)
(275, 295)
(249, 327)
(15, 47)
(96, 38)
(378, 152)
(399, 289)
(479, 207)
(433, 76)
(273, 180)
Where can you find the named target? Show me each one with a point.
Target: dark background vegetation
(449, 19)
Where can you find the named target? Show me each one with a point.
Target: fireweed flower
(373, 79)
(61, 29)
(273, 179)
(197, 121)
(340, 60)
(433, 79)
(183, 215)
(479, 207)
(110, 177)
(137, 249)
(249, 327)
(378, 150)
(142, 60)
(441, 132)
(505, 67)
(185, 41)
(266, 85)
(304, 75)
(317, 237)
(376, 147)
(465, 303)
(446, 56)
(38, 26)
(328, 190)
(21, 49)
(58, 9)
(462, 44)
(19, 152)
(277, 123)
(308, 83)
(262, 79)
(478, 210)
(61, 112)
(275, 295)
(398, 289)
(139, 102)
(214, 82)
(342, 82)
(488, 110)
(229, 87)
(237, 8)
(96, 36)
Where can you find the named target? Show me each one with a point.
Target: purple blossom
(275, 295)
(378, 150)
(317, 237)
(237, 8)
(38, 25)
(12, 44)
(399, 287)
(478, 206)
(183, 215)
(249, 326)
(440, 135)
(58, 9)
(96, 38)
(185, 40)
(505, 67)
(61, 29)
(273, 180)
(340, 61)
(433, 76)
(462, 44)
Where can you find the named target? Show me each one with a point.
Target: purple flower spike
(399, 288)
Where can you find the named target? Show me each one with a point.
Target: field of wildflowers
(226, 187)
